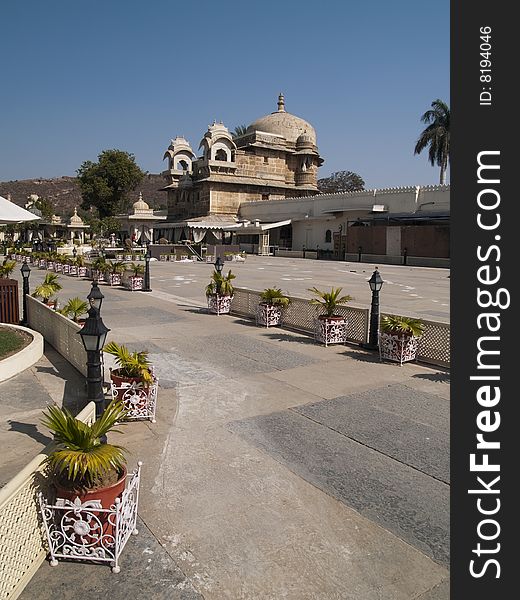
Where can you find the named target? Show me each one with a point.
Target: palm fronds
(329, 300)
(80, 456)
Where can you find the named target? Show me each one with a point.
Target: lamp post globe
(95, 297)
(219, 265)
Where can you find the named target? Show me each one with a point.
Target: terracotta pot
(119, 380)
(332, 318)
(107, 496)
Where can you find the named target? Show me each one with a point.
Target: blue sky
(81, 77)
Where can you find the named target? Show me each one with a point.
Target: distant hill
(65, 194)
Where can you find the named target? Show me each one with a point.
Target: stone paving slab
(147, 572)
(406, 424)
(380, 488)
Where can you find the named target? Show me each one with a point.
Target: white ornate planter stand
(75, 531)
(398, 348)
(268, 315)
(114, 278)
(331, 331)
(139, 400)
(73, 271)
(134, 283)
(219, 305)
(82, 271)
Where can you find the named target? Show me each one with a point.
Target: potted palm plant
(331, 328)
(7, 268)
(47, 289)
(114, 273)
(133, 367)
(99, 268)
(270, 308)
(399, 338)
(135, 280)
(219, 293)
(75, 309)
(83, 465)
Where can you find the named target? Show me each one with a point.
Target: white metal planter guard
(113, 278)
(75, 531)
(331, 331)
(82, 271)
(73, 270)
(135, 283)
(65, 268)
(139, 400)
(269, 315)
(398, 348)
(219, 305)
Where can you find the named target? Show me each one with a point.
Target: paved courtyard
(278, 468)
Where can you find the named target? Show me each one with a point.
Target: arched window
(183, 165)
(220, 154)
(328, 236)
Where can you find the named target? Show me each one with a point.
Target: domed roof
(283, 123)
(304, 140)
(140, 204)
(76, 219)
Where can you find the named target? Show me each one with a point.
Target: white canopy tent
(12, 213)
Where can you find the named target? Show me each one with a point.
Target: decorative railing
(300, 315)
(22, 547)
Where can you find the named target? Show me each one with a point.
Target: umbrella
(12, 213)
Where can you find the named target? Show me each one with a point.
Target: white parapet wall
(22, 550)
(12, 365)
(61, 333)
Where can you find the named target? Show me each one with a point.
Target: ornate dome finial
(281, 103)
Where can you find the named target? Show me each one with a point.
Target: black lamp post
(26, 271)
(146, 286)
(93, 335)
(219, 265)
(375, 283)
(74, 252)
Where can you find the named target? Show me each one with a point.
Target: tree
(436, 136)
(106, 184)
(239, 130)
(341, 181)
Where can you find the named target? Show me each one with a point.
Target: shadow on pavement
(30, 430)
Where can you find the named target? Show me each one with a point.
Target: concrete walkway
(277, 469)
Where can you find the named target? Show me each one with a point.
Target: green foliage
(274, 296)
(130, 364)
(117, 266)
(329, 301)
(74, 309)
(106, 184)
(239, 130)
(7, 268)
(136, 268)
(11, 340)
(341, 181)
(80, 456)
(436, 136)
(48, 288)
(407, 326)
(220, 284)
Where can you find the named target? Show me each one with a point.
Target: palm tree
(436, 136)
(239, 130)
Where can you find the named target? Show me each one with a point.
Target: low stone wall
(414, 261)
(61, 333)
(25, 358)
(300, 315)
(22, 549)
